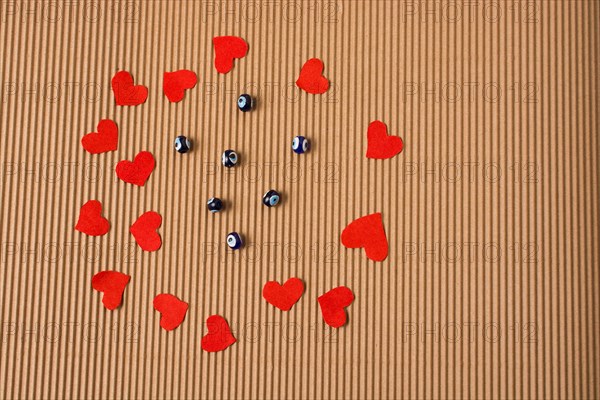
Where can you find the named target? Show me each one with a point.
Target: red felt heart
(144, 231)
(380, 145)
(367, 232)
(176, 83)
(106, 139)
(112, 284)
(283, 296)
(333, 304)
(311, 79)
(126, 93)
(172, 310)
(226, 49)
(138, 171)
(219, 335)
(90, 219)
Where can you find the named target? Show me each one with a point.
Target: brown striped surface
(491, 287)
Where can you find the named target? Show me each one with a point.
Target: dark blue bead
(229, 158)
(271, 198)
(245, 102)
(182, 144)
(234, 241)
(300, 144)
(214, 204)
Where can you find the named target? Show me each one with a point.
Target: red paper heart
(311, 79)
(176, 83)
(90, 219)
(367, 232)
(106, 139)
(283, 296)
(138, 171)
(112, 284)
(333, 304)
(219, 335)
(126, 93)
(226, 49)
(144, 231)
(380, 145)
(172, 310)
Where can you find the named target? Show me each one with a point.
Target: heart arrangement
(366, 232)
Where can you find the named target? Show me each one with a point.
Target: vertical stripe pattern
(491, 287)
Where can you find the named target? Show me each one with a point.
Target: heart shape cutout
(226, 49)
(144, 231)
(176, 83)
(283, 296)
(125, 92)
(137, 171)
(219, 336)
(380, 145)
(367, 232)
(171, 309)
(106, 139)
(90, 219)
(311, 77)
(333, 304)
(112, 285)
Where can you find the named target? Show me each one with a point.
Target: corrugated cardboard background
(491, 285)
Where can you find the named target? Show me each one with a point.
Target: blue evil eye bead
(214, 205)
(271, 198)
(234, 241)
(229, 158)
(300, 144)
(182, 144)
(245, 102)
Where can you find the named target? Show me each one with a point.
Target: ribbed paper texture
(491, 287)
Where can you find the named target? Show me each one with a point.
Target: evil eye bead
(182, 144)
(214, 205)
(271, 198)
(229, 158)
(300, 144)
(234, 241)
(245, 102)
